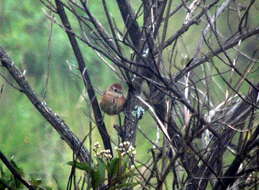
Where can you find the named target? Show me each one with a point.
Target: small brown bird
(113, 100)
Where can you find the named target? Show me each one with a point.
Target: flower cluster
(123, 149)
(102, 153)
(126, 148)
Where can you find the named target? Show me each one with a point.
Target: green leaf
(113, 167)
(36, 181)
(98, 177)
(82, 166)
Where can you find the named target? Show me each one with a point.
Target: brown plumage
(113, 100)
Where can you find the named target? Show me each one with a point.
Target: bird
(113, 100)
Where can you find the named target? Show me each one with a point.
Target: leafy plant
(111, 172)
(9, 181)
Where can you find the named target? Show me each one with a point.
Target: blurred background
(41, 48)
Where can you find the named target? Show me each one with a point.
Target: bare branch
(15, 173)
(88, 84)
(59, 125)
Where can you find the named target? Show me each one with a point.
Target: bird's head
(116, 88)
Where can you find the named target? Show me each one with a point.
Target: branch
(130, 21)
(234, 40)
(87, 82)
(15, 173)
(234, 166)
(59, 125)
(186, 26)
(234, 117)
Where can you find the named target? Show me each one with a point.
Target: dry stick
(231, 42)
(14, 171)
(59, 125)
(87, 82)
(130, 22)
(229, 176)
(234, 166)
(186, 27)
(161, 126)
(220, 10)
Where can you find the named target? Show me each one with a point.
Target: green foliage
(113, 172)
(8, 180)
